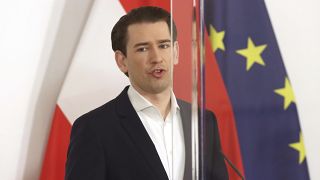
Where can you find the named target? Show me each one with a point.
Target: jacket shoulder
(97, 115)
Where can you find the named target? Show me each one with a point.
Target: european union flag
(259, 89)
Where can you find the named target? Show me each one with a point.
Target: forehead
(148, 31)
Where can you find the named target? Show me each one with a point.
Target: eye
(142, 49)
(164, 45)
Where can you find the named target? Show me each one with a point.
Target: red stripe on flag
(182, 15)
(217, 99)
(131, 4)
(53, 167)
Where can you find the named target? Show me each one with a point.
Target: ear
(175, 53)
(121, 61)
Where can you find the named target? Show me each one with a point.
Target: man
(144, 133)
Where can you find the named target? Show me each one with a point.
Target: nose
(155, 55)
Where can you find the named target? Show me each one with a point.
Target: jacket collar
(185, 112)
(135, 129)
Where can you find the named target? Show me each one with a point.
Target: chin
(159, 88)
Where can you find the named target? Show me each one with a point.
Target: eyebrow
(146, 43)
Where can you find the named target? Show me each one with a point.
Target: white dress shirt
(166, 134)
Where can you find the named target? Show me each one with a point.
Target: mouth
(157, 72)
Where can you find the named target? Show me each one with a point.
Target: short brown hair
(119, 34)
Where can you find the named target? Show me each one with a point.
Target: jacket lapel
(134, 127)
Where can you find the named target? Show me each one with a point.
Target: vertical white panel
(64, 31)
(23, 26)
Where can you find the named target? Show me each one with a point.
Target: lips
(157, 72)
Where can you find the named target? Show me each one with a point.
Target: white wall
(27, 32)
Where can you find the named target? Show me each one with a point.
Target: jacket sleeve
(85, 158)
(218, 169)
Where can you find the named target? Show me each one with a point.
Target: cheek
(169, 55)
(136, 67)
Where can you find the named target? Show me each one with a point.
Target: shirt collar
(174, 103)
(139, 102)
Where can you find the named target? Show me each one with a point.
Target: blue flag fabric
(258, 86)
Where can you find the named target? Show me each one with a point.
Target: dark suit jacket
(111, 143)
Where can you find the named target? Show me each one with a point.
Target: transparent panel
(186, 85)
(203, 157)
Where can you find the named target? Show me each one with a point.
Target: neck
(160, 100)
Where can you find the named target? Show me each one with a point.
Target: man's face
(149, 57)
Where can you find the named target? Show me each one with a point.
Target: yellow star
(287, 94)
(252, 53)
(299, 146)
(216, 39)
